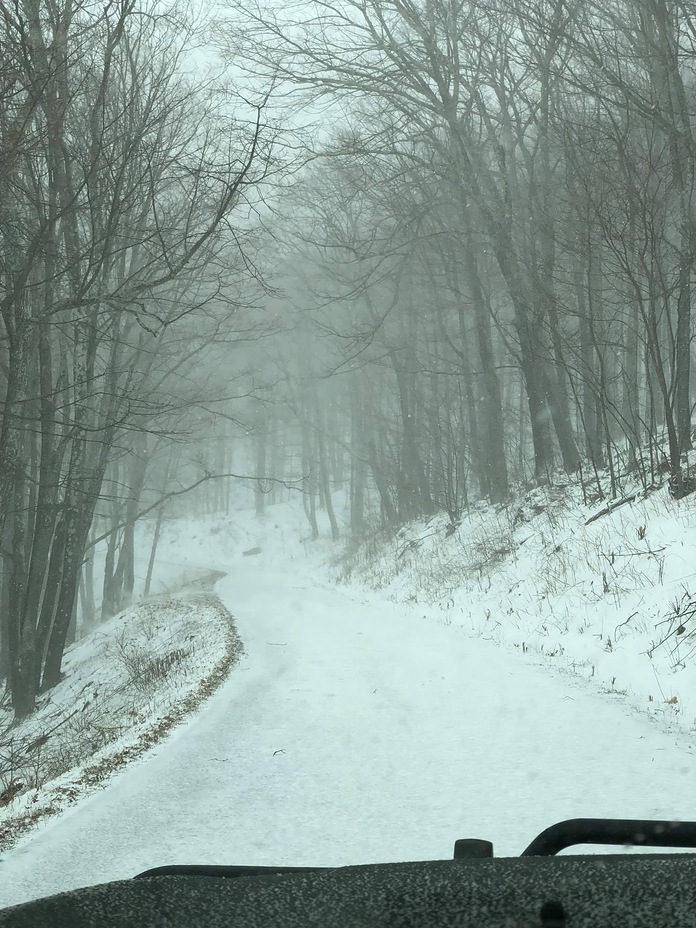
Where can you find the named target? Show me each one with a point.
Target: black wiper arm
(218, 871)
(611, 831)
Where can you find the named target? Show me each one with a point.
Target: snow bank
(133, 678)
(124, 687)
(610, 598)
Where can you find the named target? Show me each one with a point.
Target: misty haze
(346, 429)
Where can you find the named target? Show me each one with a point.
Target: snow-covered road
(355, 731)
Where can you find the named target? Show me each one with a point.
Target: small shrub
(144, 669)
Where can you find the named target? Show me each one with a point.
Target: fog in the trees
(396, 256)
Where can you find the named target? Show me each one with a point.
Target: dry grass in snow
(126, 685)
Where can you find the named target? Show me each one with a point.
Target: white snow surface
(359, 729)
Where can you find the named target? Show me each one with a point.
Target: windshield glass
(346, 467)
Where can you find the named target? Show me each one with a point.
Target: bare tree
(122, 203)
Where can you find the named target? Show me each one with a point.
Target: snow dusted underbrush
(126, 685)
(607, 592)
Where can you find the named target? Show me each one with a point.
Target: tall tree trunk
(593, 440)
(358, 464)
(87, 601)
(76, 541)
(153, 550)
(23, 652)
(110, 598)
(124, 575)
(544, 268)
(309, 479)
(261, 437)
(389, 512)
(325, 477)
(415, 493)
(492, 439)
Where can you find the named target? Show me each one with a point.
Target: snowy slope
(607, 599)
(125, 686)
(355, 731)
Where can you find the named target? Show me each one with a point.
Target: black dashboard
(473, 890)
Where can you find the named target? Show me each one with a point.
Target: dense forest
(409, 254)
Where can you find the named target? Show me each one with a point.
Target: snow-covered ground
(357, 728)
(610, 599)
(125, 686)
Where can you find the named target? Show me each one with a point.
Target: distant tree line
(482, 274)
(495, 237)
